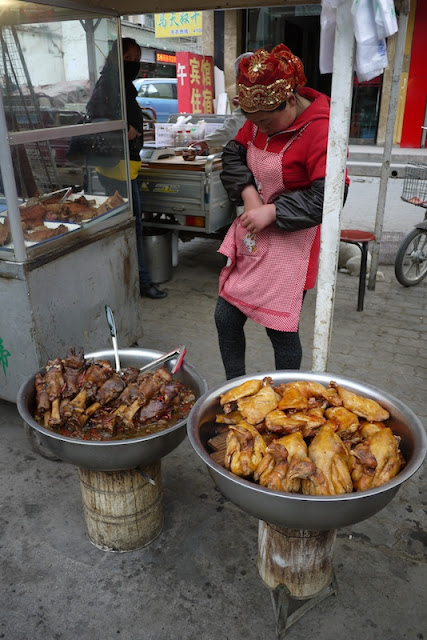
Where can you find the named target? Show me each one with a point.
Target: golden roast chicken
(301, 437)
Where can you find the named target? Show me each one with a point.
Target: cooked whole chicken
(279, 422)
(302, 395)
(281, 457)
(376, 460)
(246, 389)
(245, 449)
(347, 421)
(331, 457)
(367, 429)
(363, 407)
(256, 407)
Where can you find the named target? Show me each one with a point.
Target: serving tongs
(62, 195)
(112, 325)
(179, 353)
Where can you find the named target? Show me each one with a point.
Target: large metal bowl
(296, 511)
(117, 455)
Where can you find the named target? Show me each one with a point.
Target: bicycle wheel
(410, 265)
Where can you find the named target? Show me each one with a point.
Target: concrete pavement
(198, 579)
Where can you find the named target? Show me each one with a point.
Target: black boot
(151, 291)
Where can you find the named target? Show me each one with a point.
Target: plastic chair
(361, 239)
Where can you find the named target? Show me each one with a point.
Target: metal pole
(8, 177)
(388, 143)
(90, 27)
(339, 124)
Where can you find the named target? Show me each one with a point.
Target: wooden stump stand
(297, 566)
(122, 509)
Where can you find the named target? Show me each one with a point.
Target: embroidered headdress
(266, 79)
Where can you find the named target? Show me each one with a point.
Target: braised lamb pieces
(90, 401)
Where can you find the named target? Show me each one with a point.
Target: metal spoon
(112, 325)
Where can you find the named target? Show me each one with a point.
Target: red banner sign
(195, 88)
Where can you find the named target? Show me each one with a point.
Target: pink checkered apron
(267, 273)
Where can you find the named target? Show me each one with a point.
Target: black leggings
(230, 323)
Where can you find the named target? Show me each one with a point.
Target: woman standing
(105, 103)
(275, 168)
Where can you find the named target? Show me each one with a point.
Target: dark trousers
(230, 323)
(111, 185)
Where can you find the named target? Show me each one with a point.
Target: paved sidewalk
(198, 579)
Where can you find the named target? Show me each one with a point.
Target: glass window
(165, 90)
(152, 91)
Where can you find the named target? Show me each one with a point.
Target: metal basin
(123, 454)
(296, 511)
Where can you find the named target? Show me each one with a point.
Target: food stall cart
(65, 250)
(185, 196)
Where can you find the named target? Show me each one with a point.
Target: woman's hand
(259, 218)
(133, 133)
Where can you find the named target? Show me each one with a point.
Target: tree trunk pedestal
(297, 566)
(123, 510)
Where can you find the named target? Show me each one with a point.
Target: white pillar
(339, 124)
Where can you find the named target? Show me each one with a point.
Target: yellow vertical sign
(178, 24)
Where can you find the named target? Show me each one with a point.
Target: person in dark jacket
(105, 103)
(275, 167)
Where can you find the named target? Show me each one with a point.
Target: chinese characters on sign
(165, 57)
(195, 88)
(177, 25)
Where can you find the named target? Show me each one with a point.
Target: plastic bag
(371, 59)
(371, 50)
(385, 18)
(373, 21)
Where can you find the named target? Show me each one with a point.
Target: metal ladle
(112, 325)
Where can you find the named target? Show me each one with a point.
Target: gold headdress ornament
(266, 79)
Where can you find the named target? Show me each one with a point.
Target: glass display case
(51, 60)
(67, 243)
